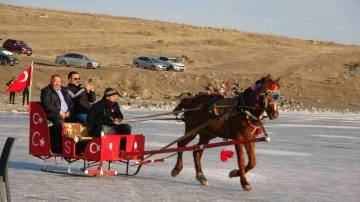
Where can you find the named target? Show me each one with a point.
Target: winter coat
(9, 83)
(81, 98)
(100, 114)
(50, 100)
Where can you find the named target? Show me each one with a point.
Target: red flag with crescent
(21, 82)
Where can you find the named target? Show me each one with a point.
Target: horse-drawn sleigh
(237, 119)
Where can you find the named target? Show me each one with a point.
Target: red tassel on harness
(259, 131)
(272, 87)
(225, 154)
(257, 105)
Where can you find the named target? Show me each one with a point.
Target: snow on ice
(311, 157)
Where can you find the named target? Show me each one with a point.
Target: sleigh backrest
(39, 138)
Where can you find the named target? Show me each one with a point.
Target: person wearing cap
(83, 97)
(235, 88)
(106, 117)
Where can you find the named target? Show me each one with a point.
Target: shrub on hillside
(135, 85)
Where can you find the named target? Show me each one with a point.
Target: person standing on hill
(227, 86)
(12, 94)
(235, 88)
(26, 94)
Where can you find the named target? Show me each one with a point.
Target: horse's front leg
(250, 150)
(179, 165)
(204, 139)
(241, 172)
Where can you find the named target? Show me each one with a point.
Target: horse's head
(269, 94)
(262, 97)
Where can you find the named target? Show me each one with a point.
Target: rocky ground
(130, 102)
(315, 75)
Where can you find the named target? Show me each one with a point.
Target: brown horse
(240, 121)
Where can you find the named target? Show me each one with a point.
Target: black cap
(110, 92)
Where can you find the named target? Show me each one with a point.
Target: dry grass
(210, 54)
(134, 85)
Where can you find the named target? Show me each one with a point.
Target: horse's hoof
(205, 183)
(202, 179)
(247, 187)
(174, 173)
(233, 173)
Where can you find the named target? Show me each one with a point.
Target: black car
(7, 60)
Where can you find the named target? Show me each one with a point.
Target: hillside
(313, 73)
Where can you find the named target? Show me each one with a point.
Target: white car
(172, 63)
(5, 51)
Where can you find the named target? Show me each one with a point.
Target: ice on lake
(311, 157)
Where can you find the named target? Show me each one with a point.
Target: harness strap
(267, 138)
(197, 129)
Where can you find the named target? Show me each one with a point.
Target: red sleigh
(95, 151)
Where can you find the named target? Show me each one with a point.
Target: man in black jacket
(58, 106)
(12, 94)
(106, 117)
(56, 101)
(83, 97)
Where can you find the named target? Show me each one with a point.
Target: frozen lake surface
(311, 157)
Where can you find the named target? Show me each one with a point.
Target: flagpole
(31, 75)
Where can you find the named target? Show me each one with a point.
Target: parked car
(149, 63)
(7, 60)
(17, 46)
(76, 59)
(173, 63)
(5, 51)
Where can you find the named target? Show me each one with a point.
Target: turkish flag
(21, 82)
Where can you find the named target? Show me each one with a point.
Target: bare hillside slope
(312, 72)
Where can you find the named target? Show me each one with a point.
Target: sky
(329, 20)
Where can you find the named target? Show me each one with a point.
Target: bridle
(261, 101)
(275, 97)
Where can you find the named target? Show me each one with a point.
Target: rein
(168, 113)
(143, 118)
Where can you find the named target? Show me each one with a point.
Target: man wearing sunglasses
(83, 97)
(106, 117)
